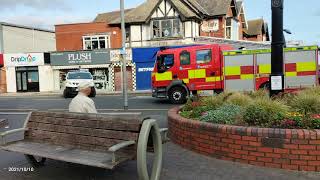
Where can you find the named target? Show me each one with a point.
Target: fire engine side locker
(300, 65)
(238, 71)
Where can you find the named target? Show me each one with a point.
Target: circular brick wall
(295, 149)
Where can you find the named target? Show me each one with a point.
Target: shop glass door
(22, 81)
(27, 79)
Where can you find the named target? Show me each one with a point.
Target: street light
(284, 38)
(277, 44)
(123, 58)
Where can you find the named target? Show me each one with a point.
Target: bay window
(166, 28)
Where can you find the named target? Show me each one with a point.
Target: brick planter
(294, 149)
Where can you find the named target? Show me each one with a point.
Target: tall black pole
(277, 45)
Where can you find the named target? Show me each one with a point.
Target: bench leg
(149, 126)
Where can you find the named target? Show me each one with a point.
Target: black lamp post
(277, 44)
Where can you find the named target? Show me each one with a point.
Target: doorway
(27, 79)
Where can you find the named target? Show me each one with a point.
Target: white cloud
(36, 4)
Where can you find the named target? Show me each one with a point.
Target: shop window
(203, 56)
(185, 58)
(166, 28)
(96, 42)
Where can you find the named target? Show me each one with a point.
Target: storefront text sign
(80, 58)
(116, 55)
(27, 59)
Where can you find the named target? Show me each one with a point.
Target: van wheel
(35, 160)
(65, 94)
(177, 95)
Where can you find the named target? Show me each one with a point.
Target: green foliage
(226, 114)
(265, 112)
(215, 101)
(288, 110)
(261, 93)
(239, 99)
(306, 103)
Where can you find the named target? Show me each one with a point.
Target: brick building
(87, 36)
(257, 31)
(157, 23)
(172, 22)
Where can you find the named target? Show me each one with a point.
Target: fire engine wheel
(177, 95)
(265, 86)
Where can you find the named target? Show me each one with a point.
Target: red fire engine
(183, 71)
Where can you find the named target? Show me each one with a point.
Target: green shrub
(261, 93)
(265, 112)
(226, 114)
(313, 91)
(239, 99)
(306, 103)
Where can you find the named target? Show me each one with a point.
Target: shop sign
(115, 55)
(145, 69)
(23, 59)
(80, 58)
(211, 25)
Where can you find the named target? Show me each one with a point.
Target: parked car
(73, 79)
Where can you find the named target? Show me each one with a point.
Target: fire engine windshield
(165, 62)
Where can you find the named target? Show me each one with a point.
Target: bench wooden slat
(103, 123)
(121, 135)
(62, 153)
(70, 139)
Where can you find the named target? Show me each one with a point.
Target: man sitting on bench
(82, 103)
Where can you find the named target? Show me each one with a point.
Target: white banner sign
(115, 55)
(23, 59)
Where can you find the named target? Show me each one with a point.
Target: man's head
(85, 88)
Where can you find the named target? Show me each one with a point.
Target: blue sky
(301, 17)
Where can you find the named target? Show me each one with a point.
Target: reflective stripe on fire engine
(185, 81)
(264, 51)
(166, 76)
(291, 74)
(232, 70)
(264, 68)
(306, 66)
(200, 73)
(246, 76)
(213, 79)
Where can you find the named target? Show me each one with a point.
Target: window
(185, 58)
(79, 75)
(156, 29)
(166, 28)
(165, 62)
(96, 42)
(203, 56)
(128, 34)
(228, 28)
(232, 29)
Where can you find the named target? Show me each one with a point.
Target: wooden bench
(100, 140)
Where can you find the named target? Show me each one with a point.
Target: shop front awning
(97, 66)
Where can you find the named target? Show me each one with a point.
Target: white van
(72, 81)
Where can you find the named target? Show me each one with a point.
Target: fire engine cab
(180, 72)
